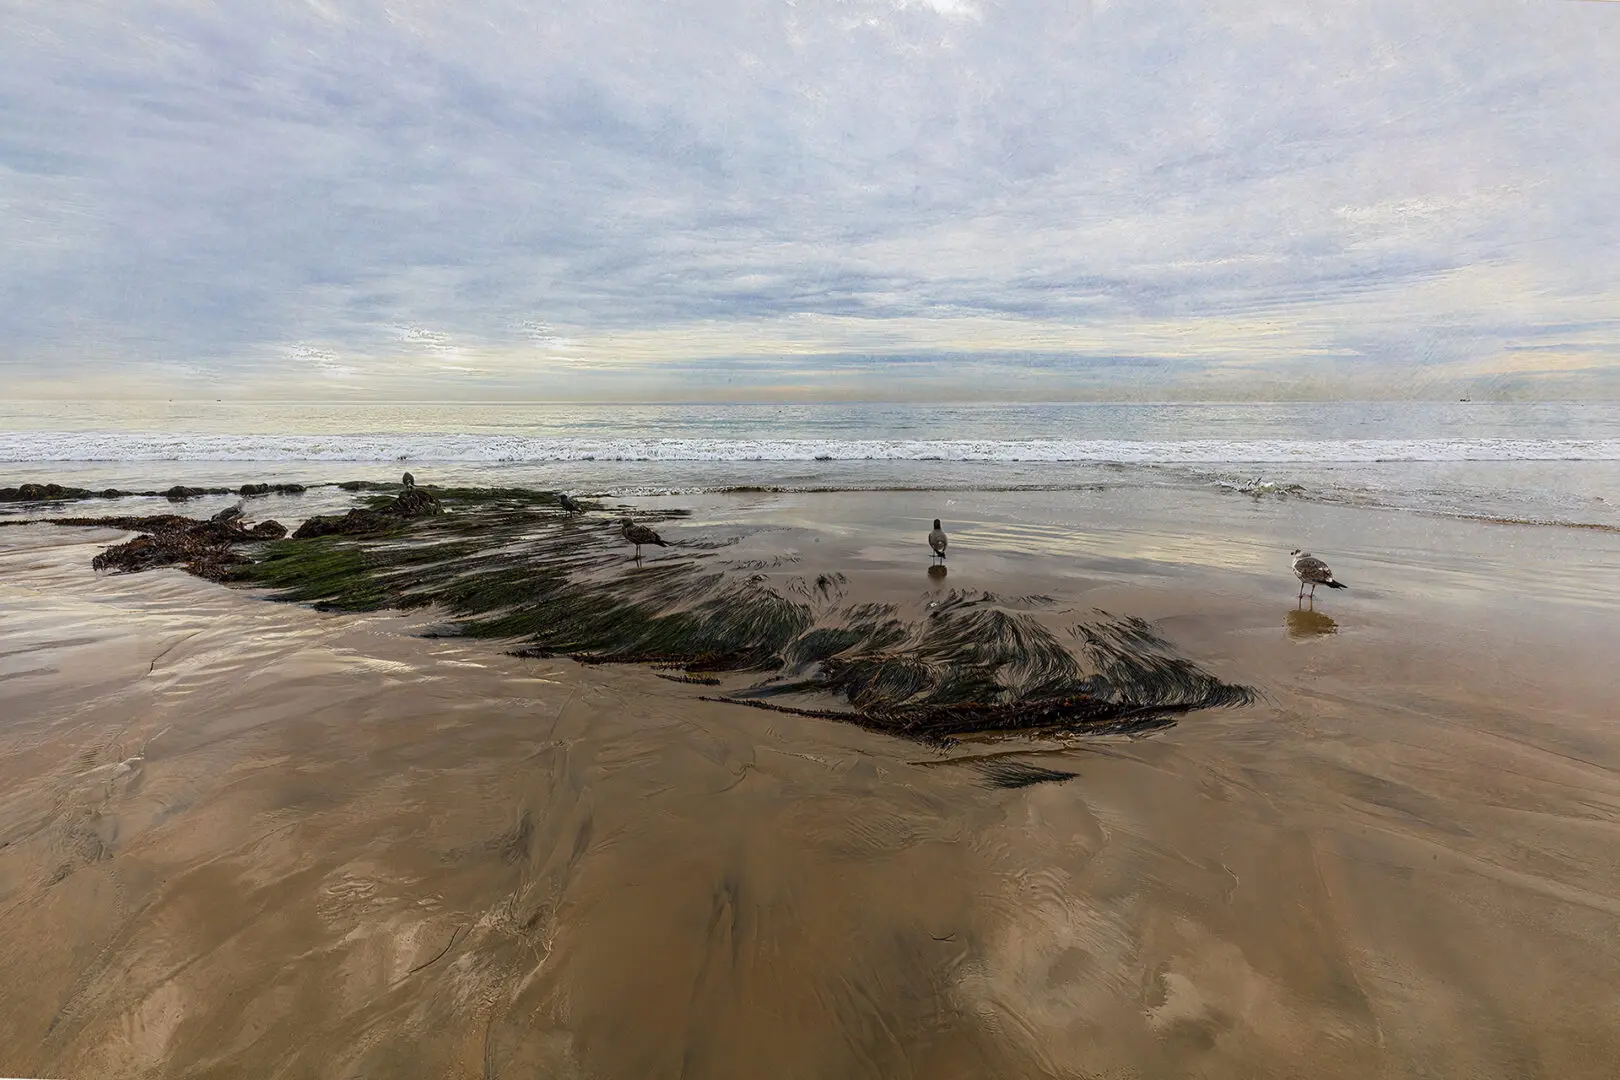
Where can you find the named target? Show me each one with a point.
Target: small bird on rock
(639, 535)
(568, 504)
(1313, 572)
(410, 481)
(937, 540)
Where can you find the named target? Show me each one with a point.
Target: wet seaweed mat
(512, 564)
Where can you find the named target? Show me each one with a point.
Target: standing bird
(937, 540)
(1313, 572)
(231, 515)
(410, 481)
(640, 534)
(569, 505)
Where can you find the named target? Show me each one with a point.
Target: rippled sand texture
(247, 839)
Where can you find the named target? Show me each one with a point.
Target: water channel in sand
(243, 838)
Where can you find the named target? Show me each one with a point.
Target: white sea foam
(90, 446)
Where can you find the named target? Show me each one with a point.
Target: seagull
(410, 481)
(936, 540)
(640, 534)
(229, 516)
(1313, 572)
(569, 505)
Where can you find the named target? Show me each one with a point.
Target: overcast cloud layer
(702, 198)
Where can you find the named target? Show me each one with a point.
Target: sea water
(1551, 462)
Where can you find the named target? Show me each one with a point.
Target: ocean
(1548, 462)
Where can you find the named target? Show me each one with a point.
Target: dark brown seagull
(639, 535)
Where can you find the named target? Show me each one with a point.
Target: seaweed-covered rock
(415, 502)
(42, 493)
(410, 503)
(250, 490)
(354, 523)
(268, 530)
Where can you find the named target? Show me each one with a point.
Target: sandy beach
(248, 838)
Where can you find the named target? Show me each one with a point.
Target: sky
(805, 200)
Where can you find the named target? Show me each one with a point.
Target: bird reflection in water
(937, 571)
(1305, 622)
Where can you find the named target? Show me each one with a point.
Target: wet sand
(242, 838)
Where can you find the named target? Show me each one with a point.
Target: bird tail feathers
(1335, 584)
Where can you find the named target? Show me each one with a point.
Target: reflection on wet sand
(243, 839)
(938, 571)
(1305, 622)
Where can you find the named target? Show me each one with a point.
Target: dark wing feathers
(1311, 568)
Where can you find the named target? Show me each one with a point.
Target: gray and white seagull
(1313, 572)
(937, 540)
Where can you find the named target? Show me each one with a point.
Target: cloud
(672, 195)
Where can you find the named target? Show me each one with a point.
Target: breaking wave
(82, 446)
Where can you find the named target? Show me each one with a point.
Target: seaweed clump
(204, 548)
